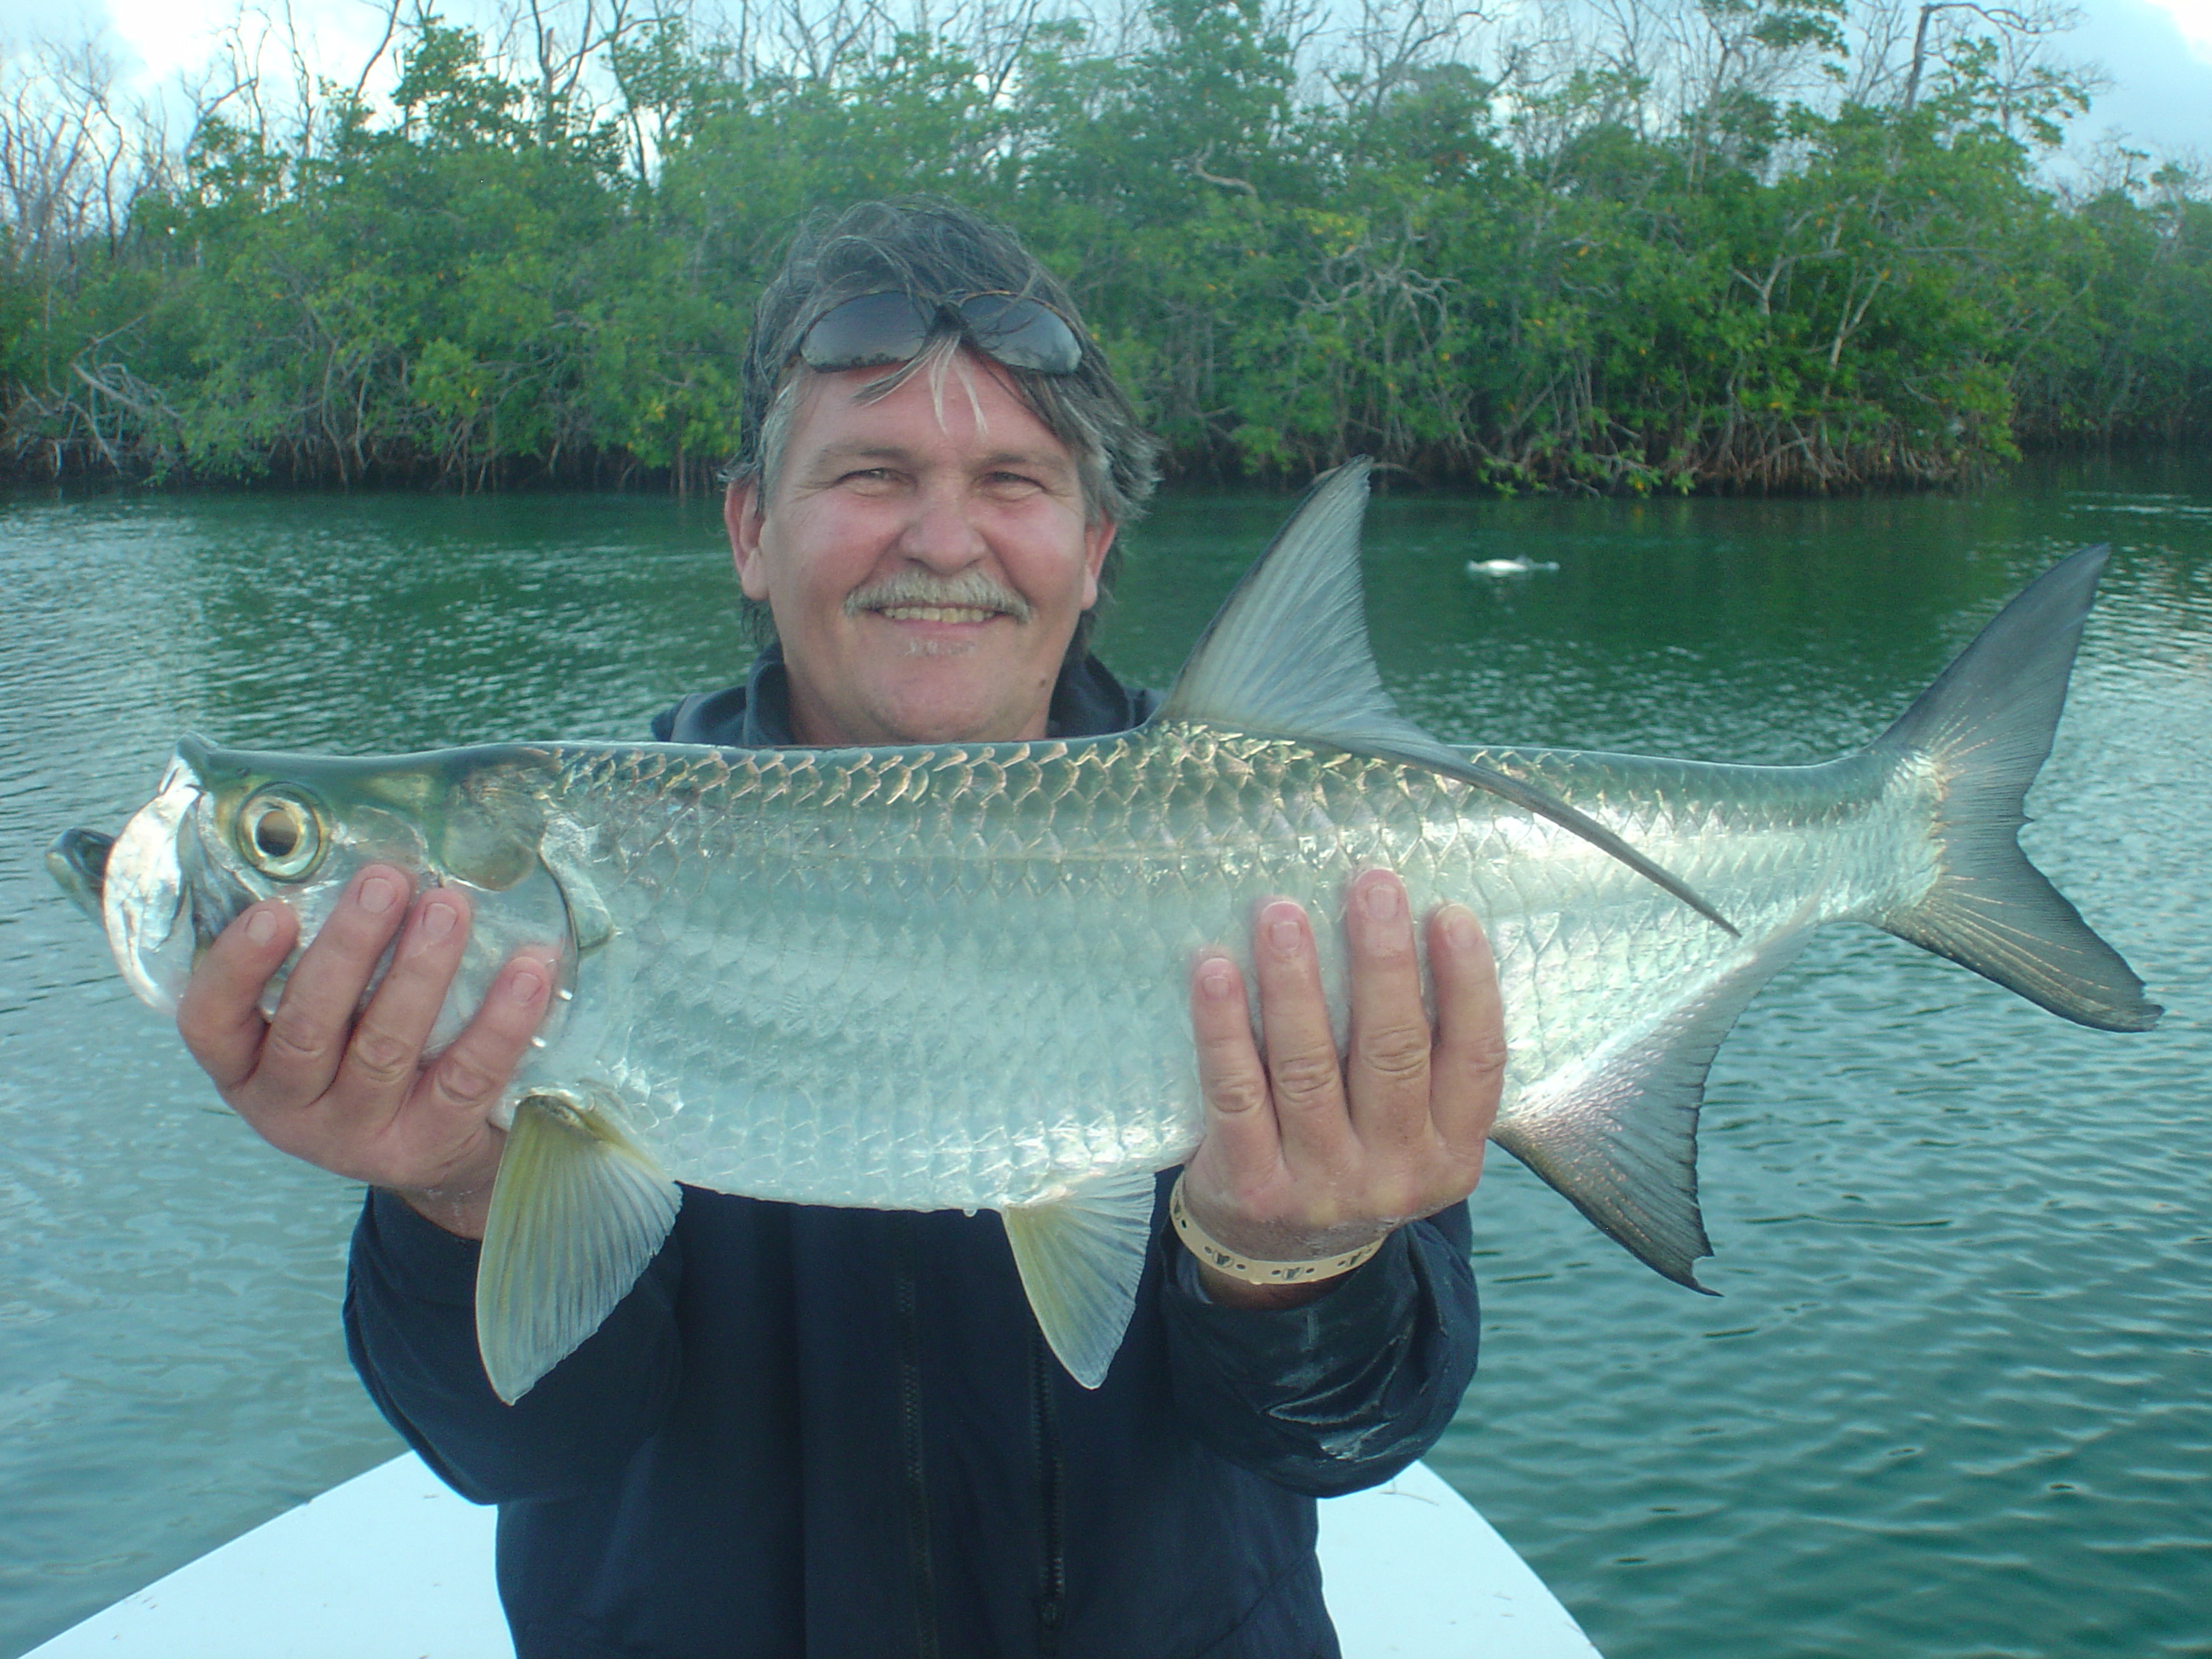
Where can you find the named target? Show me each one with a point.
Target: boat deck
(394, 1566)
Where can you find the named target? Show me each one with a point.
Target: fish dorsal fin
(1288, 652)
(578, 1210)
(1080, 1260)
(1289, 657)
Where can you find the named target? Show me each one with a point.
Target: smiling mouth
(938, 613)
(970, 599)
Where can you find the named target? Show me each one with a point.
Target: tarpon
(955, 976)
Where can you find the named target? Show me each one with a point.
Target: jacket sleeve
(410, 1329)
(1346, 1391)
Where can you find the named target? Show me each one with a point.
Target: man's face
(925, 559)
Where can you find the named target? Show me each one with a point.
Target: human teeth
(937, 613)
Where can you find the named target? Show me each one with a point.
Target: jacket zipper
(917, 1486)
(1044, 1428)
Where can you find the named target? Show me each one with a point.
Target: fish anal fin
(1289, 657)
(577, 1212)
(1618, 1138)
(1080, 1260)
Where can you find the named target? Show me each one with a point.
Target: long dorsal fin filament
(1289, 657)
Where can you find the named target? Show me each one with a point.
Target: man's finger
(1387, 1070)
(308, 1033)
(1305, 1077)
(386, 1054)
(1470, 1052)
(1240, 1122)
(467, 1080)
(219, 1015)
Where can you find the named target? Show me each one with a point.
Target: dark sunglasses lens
(1022, 333)
(875, 328)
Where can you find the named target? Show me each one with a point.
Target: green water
(1957, 1397)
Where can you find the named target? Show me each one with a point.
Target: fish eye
(280, 833)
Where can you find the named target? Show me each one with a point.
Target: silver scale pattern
(956, 976)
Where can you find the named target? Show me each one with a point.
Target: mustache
(971, 590)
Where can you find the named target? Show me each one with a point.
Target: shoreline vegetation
(1664, 245)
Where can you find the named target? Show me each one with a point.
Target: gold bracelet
(1250, 1270)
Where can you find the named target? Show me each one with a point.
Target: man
(828, 1431)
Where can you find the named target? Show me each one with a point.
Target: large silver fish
(932, 977)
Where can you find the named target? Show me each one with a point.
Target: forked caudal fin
(1983, 730)
(1617, 1135)
(1288, 657)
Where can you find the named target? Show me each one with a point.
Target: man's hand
(1307, 1156)
(354, 1096)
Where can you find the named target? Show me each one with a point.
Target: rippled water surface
(1956, 1399)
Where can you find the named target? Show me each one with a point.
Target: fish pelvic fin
(1617, 1137)
(1981, 733)
(577, 1213)
(1081, 1261)
(1288, 656)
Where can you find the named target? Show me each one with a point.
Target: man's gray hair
(934, 252)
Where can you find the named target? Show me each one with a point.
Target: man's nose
(940, 533)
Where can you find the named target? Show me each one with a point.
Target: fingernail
(261, 927)
(1460, 928)
(1284, 932)
(527, 985)
(438, 920)
(1217, 980)
(1382, 899)
(378, 894)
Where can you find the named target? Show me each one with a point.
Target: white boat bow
(392, 1564)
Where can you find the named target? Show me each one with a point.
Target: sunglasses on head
(892, 327)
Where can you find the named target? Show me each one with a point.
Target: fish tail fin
(1978, 736)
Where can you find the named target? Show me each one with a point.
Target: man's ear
(741, 517)
(1097, 542)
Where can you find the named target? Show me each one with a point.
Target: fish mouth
(77, 861)
(143, 892)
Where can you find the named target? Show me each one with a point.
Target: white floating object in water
(394, 1566)
(1520, 567)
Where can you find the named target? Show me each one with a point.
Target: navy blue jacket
(826, 1432)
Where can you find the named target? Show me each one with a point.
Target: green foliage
(498, 284)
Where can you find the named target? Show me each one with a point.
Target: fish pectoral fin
(577, 1212)
(1080, 1260)
(1289, 657)
(1619, 1138)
